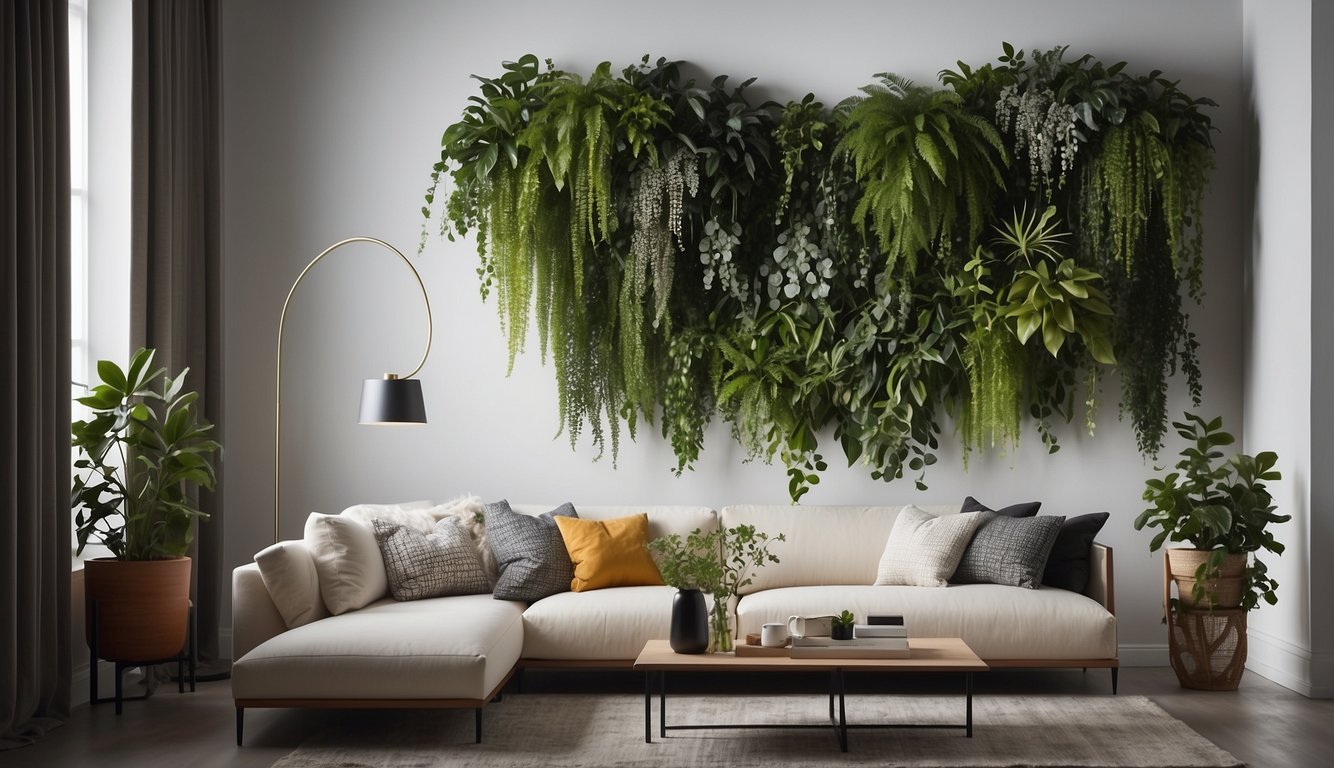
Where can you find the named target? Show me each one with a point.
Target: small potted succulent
(720, 563)
(841, 629)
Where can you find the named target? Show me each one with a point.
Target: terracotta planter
(143, 607)
(1225, 590)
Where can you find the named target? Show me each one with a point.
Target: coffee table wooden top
(929, 654)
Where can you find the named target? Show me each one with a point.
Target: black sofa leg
(240, 724)
(477, 719)
(1115, 671)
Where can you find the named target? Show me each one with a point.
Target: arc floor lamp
(394, 399)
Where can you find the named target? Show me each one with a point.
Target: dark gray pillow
(1068, 564)
(1008, 550)
(529, 551)
(1025, 509)
(420, 565)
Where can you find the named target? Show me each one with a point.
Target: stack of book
(869, 641)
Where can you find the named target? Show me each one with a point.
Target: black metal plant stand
(187, 656)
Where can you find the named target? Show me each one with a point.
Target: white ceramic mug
(810, 626)
(773, 635)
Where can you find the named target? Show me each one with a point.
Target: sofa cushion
(1068, 563)
(923, 550)
(612, 623)
(609, 553)
(420, 565)
(1023, 509)
(348, 561)
(810, 556)
(289, 574)
(442, 648)
(529, 552)
(997, 622)
(1007, 550)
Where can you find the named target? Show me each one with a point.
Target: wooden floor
(1263, 724)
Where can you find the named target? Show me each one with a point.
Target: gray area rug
(597, 730)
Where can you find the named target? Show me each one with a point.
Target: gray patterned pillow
(529, 551)
(421, 565)
(923, 550)
(1008, 550)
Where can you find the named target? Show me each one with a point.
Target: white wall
(1279, 344)
(332, 117)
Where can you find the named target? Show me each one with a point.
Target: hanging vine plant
(683, 252)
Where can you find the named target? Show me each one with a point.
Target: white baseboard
(1143, 654)
(1291, 666)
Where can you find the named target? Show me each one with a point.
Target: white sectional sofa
(460, 651)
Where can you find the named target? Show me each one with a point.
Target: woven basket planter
(1225, 590)
(1208, 648)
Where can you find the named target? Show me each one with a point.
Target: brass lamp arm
(282, 323)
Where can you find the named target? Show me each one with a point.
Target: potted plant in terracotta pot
(1221, 508)
(143, 453)
(719, 563)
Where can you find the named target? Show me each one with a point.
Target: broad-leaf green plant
(1216, 505)
(142, 454)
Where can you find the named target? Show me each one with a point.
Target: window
(78, 204)
(100, 71)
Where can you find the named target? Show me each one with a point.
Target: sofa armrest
(254, 616)
(1102, 585)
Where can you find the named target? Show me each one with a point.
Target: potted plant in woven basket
(143, 451)
(720, 563)
(1221, 508)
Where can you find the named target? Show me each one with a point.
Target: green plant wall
(978, 253)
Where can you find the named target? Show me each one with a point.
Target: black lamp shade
(392, 401)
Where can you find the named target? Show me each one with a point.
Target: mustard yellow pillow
(609, 553)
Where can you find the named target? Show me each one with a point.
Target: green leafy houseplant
(141, 453)
(719, 562)
(1220, 507)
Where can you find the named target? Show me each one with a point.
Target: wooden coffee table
(929, 654)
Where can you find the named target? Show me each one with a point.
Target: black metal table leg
(968, 688)
(842, 714)
(662, 704)
(648, 707)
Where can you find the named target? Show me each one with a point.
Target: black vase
(690, 622)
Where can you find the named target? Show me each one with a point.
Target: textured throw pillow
(1068, 564)
(1008, 550)
(420, 565)
(923, 550)
(609, 553)
(471, 513)
(288, 572)
(1026, 509)
(529, 552)
(347, 560)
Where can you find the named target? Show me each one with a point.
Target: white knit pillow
(923, 550)
(348, 561)
(288, 572)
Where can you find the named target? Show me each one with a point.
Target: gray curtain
(35, 352)
(176, 270)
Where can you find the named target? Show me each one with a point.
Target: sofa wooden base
(474, 704)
